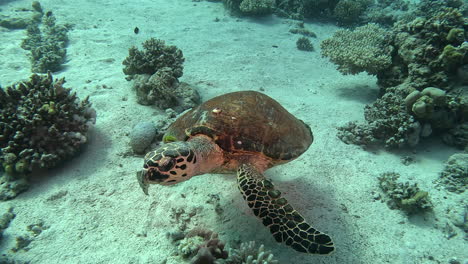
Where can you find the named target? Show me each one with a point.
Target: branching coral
(203, 246)
(155, 55)
(359, 50)
(249, 253)
(41, 124)
(47, 46)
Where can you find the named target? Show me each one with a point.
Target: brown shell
(246, 121)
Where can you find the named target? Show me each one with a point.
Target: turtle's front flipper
(285, 223)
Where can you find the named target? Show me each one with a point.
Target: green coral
(47, 45)
(404, 196)
(456, 35)
(363, 49)
(454, 56)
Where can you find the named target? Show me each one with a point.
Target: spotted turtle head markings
(169, 164)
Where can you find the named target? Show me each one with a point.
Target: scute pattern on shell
(246, 121)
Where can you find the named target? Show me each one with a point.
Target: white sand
(100, 215)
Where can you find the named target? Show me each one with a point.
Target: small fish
(136, 30)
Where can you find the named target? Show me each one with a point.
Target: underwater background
(382, 84)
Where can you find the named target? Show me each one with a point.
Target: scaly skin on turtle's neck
(209, 155)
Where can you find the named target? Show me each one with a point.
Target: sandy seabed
(93, 207)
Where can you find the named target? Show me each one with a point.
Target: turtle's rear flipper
(285, 223)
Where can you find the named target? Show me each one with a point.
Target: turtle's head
(172, 163)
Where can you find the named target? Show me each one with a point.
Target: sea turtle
(245, 131)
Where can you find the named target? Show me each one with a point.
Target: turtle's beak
(142, 181)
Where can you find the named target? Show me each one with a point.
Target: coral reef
(210, 250)
(300, 9)
(386, 12)
(47, 43)
(249, 253)
(250, 7)
(387, 122)
(404, 196)
(363, 49)
(42, 123)
(303, 43)
(256, 7)
(348, 12)
(427, 54)
(141, 136)
(455, 174)
(424, 64)
(203, 246)
(155, 55)
(155, 72)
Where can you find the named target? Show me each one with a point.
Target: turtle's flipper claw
(285, 223)
(141, 180)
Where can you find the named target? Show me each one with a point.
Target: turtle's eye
(166, 163)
